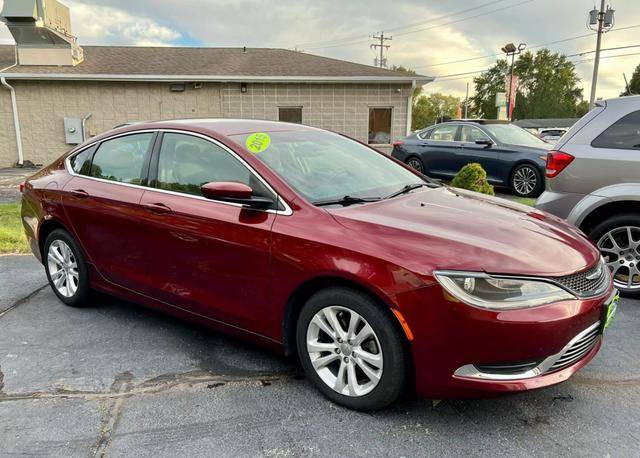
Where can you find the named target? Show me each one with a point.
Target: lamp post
(511, 50)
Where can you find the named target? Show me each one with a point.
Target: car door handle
(158, 207)
(80, 193)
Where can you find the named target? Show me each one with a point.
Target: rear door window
(445, 133)
(122, 159)
(622, 134)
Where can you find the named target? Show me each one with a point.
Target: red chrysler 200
(309, 242)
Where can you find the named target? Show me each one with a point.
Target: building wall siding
(43, 105)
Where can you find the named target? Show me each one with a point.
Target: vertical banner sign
(501, 105)
(458, 112)
(512, 94)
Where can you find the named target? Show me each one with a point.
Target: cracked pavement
(117, 379)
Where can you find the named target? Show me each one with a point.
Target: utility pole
(381, 62)
(466, 104)
(603, 19)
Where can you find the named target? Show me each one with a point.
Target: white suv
(593, 180)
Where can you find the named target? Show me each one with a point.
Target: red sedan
(312, 243)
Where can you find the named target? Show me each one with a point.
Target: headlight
(500, 293)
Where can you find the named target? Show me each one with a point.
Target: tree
(427, 108)
(634, 83)
(547, 87)
(402, 69)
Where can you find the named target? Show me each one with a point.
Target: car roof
(478, 121)
(618, 101)
(221, 126)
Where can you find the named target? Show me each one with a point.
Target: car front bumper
(451, 339)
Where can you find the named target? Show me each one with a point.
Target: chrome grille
(580, 283)
(578, 348)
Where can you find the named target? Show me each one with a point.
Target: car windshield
(324, 166)
(514, 135)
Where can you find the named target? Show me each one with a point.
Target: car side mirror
(484, 141)
(234, 192)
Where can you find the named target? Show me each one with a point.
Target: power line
(530, 47)
(415, 24)
(382, 62)
(349, 43)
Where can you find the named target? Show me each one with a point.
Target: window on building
(122, 158)
(379, 126)
(187, 162)
(290, 114)
(623, 134)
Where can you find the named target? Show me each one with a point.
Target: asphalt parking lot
(117, 379)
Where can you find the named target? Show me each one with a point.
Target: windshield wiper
(407, 188)
(346, 200)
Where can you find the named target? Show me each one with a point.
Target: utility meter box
(73, 131)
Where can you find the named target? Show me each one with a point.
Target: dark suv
(511, 156)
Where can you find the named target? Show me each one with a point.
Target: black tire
(622, 220)
(528, 170)
(395, 363)
(416, 164)
(81, 296)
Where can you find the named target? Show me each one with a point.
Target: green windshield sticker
(258, 142)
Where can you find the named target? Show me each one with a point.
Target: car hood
(446, 228)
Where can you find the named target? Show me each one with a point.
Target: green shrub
(474, 178)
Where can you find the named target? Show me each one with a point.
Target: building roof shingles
(255, 62)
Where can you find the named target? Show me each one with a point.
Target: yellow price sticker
(258, 142)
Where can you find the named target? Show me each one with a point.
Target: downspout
(410, 106)
(16, 120)
(84, 126)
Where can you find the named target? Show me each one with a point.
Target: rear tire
(623, 257)
(416, 164)
(66, 269)
(358, 372)
(526, 181)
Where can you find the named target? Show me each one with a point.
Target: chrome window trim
(287, 209)
(471, 371)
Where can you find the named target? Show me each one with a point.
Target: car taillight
(22, 185)
(557, 161)
(398, 143)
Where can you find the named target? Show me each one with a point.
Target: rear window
(623, 134)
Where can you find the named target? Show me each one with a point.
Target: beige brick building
(114, 85)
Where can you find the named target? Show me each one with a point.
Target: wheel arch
(46, 228)
(308, 288)
(607, 210)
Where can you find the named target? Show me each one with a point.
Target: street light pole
(511, 50)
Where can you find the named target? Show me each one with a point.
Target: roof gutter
(218, 78)
(16, 120)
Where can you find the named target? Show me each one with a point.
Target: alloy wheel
(415, 164)
(621, 250)
(525, 180)
(345, 351)
(63, 268)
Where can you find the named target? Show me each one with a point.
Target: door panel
(440, 150)
(208, 257)
(105, 217)
(486, 156)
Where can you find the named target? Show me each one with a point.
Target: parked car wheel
(66, 269)
(351, 350)
(618, 239)
(415, 163)
(526, 180)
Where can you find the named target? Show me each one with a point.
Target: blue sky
(427, 35)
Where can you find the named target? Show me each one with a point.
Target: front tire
(618, 239)
(66, 269)
(526, 181)
(351, 350)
